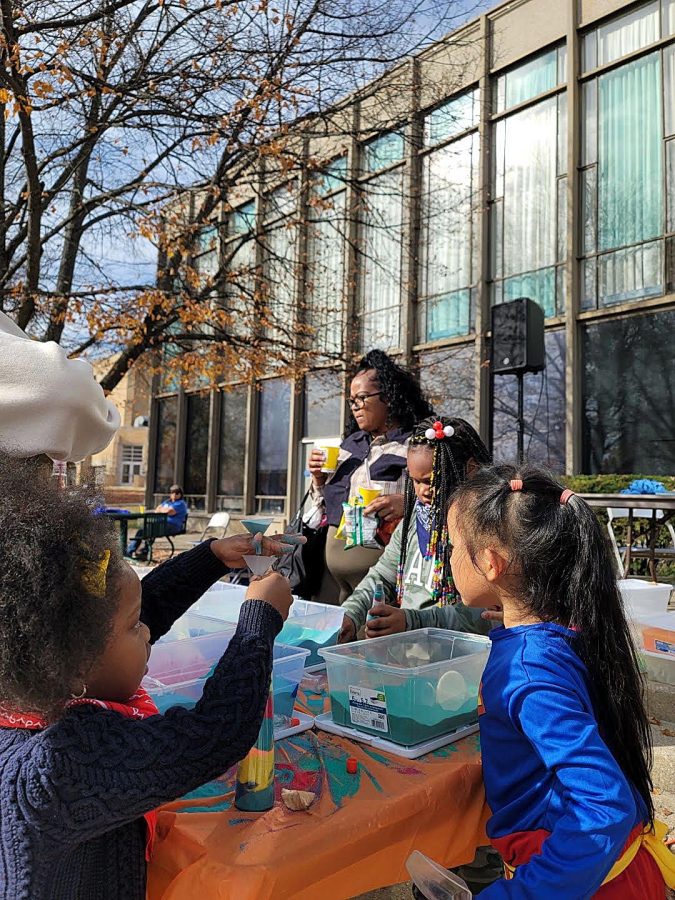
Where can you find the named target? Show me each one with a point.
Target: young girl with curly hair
(84, 756)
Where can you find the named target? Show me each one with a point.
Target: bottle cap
(352, 766)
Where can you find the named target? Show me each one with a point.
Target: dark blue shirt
(72, 796)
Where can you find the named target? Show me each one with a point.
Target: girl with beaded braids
(414, 569)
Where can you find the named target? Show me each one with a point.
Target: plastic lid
(433, 881)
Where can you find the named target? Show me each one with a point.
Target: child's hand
(231, 550)
(347, 632)
(273, 589)
(494, 614)
(388, 508)
(385, 619)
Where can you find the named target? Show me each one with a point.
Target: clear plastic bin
(408, 687)
(192, 625)
(309, 625)
(642, 599)
(178, 669)
(311, 629)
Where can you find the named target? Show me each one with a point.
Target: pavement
(661, 706)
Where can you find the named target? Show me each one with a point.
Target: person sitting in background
(414, 569)
(176, 509)
(386, 401)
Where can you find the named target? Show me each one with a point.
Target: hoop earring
(82, 694)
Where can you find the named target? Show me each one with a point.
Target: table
(657, 503)
(125, 517)
(354, 838)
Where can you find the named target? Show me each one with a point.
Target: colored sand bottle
(378, 597)
(254, 791)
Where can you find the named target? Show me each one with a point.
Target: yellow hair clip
(94, 574)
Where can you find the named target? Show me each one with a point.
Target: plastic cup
(369, 494)
(330, 457)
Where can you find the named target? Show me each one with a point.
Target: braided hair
(451, 455)
(400, 390)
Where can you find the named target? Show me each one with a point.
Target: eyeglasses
(359, 401)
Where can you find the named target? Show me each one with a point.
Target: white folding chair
(637, 552)
(218, 520)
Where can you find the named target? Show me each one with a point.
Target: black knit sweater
(73, 795)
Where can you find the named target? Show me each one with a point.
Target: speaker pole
(521, 418)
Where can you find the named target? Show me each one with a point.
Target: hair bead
(565, 496)
(516, 484)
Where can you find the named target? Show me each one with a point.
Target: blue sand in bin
(312, 639)
(285, 692)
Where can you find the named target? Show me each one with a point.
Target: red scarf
(138, 706)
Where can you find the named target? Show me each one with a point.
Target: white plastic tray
(325, 723)
(306, 722)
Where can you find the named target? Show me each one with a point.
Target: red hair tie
(565, 496)
(516, 484)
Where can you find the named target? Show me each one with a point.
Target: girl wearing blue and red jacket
(564, 732)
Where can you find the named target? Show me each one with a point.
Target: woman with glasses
(385, 401)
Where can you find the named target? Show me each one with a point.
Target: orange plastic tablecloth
(354, 838)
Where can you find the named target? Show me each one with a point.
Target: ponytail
(555, 540)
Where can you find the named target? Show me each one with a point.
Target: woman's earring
(81, 694)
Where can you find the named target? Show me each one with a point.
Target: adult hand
(273, 589)
(316, 461)
(387, 507)
(387, 620)
(347, 632)
(494, 614)
(231, 550)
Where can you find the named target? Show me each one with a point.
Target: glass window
(622, 193)
(280, 275)
(165, 454)
(667, 17)
(669, 87)
(323, 404)
(621, 36)
(525, 227)
(242, 219)
(281, 201)
(380, 261)
(628, 390)
(196, 443)
(333, 177)
(529, 79)
(132, 463)
(232, 448)
(544, 406)
(448, 379)
(272, 460)
(452, 118)
(325, 276)
(385, 150)
(448, 232)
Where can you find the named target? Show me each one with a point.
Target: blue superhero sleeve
(600, 810)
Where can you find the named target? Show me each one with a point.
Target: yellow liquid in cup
(369, 494)
(330, 458)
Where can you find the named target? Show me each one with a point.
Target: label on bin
(664, 646)
(368, 708)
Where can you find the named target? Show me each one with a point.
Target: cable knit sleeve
(94, 769)
(175, 585)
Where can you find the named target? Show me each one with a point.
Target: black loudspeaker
(517, 337)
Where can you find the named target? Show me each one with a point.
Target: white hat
(48, 403)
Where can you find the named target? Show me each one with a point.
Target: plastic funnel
(259, 565)
(435, 882)
(256, 526)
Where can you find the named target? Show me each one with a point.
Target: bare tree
(141, 119)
